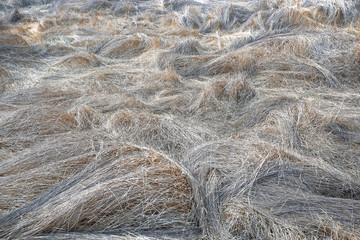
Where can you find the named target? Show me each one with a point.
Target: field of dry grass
(179, 119)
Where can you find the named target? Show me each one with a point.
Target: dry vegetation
(179, 119)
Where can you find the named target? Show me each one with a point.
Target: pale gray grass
(178, 119)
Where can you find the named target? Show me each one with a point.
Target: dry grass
(12, 40)
(179, 119)
(78, 61)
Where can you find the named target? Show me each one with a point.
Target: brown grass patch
(79, 61)
(12, 40)
(148, 174)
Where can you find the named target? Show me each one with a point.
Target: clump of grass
(125, 47)
(123, 7)
(160, 132)
(137, 191)
(12, 40)
(79, 61)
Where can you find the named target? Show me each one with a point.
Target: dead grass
(12, 40)
(122, 168)
(179, 119)
(79, 61)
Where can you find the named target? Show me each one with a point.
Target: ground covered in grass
(179, 119)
